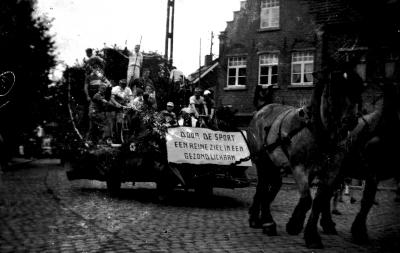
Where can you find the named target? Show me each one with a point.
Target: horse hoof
(312, 238)
(293, 228)
(359, 233)
(270, 229)
(329, 228)
(360, 238)
(253, 223)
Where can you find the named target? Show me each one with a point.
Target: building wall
(243, 36)
(323, 27)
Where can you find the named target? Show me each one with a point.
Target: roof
(204, 70)
(345, 11)
(335, 12)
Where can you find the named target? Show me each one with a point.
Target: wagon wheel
(166, 182)
(203, 187)
(204, 190)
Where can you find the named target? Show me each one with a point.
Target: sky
(80, 24)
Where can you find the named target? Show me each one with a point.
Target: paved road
(41, 211)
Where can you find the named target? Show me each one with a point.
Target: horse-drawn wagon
(193, 158)
(199, 158)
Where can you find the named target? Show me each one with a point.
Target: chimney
(243, 5)
(207, 60)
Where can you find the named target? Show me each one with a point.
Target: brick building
(283, 42)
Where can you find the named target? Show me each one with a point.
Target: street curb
(17, 162)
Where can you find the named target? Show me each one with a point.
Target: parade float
(171, 156)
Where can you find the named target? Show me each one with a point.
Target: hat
(207, 92)
(170, 104)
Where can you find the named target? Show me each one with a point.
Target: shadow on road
(177, 198)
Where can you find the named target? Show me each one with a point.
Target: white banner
(205, 146)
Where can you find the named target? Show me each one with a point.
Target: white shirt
(123, 93)
(198, 103)
(176, 75)
(135, 59)
(137, 103)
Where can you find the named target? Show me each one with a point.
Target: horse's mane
(313, 109)
(383, 121)
(389, 123)
(332, 86)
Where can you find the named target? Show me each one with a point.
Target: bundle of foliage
(115, 69)
(155, 63)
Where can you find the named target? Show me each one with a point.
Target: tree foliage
(27, 49)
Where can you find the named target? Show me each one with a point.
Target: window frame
(391, 61)
(272, 7)
(270, 65)
(240, 63)
(303, 61)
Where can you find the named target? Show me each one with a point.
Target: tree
(27, 49)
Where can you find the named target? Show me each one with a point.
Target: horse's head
(340, 100)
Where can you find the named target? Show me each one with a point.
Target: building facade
(285, 43)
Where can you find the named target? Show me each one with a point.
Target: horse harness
(287, 138)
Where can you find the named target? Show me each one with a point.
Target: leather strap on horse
(285, 140)
(365, 121)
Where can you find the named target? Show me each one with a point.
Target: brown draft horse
(371, 155)
(283, 137)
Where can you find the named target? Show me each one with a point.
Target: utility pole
(212, 43)
(169, 36)
(199, 64)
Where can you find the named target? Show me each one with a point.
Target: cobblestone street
(41, 211)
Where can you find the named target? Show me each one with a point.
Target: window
(390, 64)
(269, 16)
(361, 67)
(268, 72)
(237, 71)
(302, 68)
